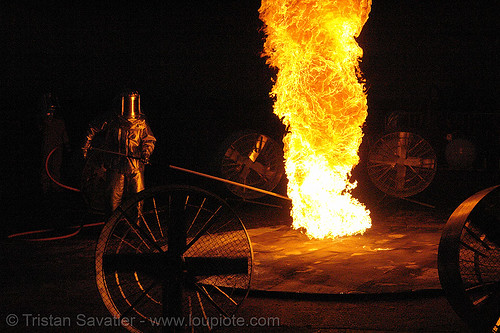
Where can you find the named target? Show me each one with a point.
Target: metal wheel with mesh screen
(172, 258)
(469, 260)
(401, 164)
(252, 159)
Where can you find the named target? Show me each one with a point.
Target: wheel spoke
(421, 141)
(156, 269)
(395, 151)
(203, 309)
(142, 288)
(139, 299)
(205, 293)
(202, 230)
(476, 251)
(196, 215)
(147, 226)
(417, 174)
(140, 232)
(253, 159)
(157, 217)
(476, 237)
(124, 241)
(223, 293)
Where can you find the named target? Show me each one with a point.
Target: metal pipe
(230, 182)
(205, 175)
(113, 153)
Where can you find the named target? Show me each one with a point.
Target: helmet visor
(131, 105)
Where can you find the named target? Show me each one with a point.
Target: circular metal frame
(401, 164)
(173, 257)
(253, 159)
(469, 260)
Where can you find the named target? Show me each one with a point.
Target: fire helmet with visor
(131, 105)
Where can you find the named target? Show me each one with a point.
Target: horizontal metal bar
(230, 182)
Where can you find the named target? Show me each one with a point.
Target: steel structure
(469, 260)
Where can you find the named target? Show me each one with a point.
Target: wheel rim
(469, 259)
(198, 273)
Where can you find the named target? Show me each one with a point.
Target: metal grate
(469, 259)
(252, 159)
(174, 254)
(401, 164)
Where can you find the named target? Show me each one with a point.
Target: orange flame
(320, 98)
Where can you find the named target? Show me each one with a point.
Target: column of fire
(319, 94)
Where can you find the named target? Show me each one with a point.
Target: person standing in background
(54, 141)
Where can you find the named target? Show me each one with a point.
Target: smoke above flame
(320, 98)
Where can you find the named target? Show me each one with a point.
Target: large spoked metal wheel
(173, 257)
(252, 159)
(401, 164)
(469, 260)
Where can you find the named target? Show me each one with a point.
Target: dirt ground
(50, 286)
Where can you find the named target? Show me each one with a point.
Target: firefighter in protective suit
(130, 143)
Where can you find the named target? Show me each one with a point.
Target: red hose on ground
(34, 232)
(43, 239)
(52, 178)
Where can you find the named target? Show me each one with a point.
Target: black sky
(210, 49)
(197, 63)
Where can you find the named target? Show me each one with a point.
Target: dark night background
(197, 66)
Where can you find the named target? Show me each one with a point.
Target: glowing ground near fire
(320, 97)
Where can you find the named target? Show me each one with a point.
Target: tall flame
(319, 96)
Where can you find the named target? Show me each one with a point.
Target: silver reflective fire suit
(130, 137)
